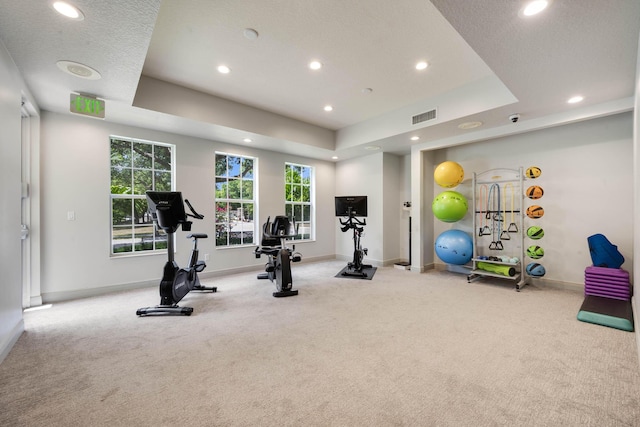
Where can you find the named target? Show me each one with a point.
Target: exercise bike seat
(197, 236)
(270, 250)
(278, 268)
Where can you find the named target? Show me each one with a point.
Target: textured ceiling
(585, 47)
(158, 59)
(360, 47)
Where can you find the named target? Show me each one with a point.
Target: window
(137, 166)
(235, 200)
(298, 183)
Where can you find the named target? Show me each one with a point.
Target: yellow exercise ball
(448, 174)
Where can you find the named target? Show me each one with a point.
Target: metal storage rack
(498, 223)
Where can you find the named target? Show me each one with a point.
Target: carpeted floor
(403, 349)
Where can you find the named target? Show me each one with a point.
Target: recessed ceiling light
(224, 69)
(421, 65)
(68, 10)
(535, 7)
(469, 125)
(315, 65)
(328, 108)
(415, 138)
(575, 99)
(250, 33)
(78, 70)
(334, 157)
(247, 140)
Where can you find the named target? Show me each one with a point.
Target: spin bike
(355, 267)
(280, 257)
(167, 211)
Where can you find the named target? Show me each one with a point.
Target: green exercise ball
(450, 206)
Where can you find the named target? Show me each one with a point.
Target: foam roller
(504, 270)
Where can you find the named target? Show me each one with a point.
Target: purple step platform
(607, 282)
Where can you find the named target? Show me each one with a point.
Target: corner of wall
(9, 340)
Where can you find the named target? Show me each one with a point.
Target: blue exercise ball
(536, 270)
(454, 247)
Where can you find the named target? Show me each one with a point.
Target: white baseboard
(367, 260)
(52, 297)
(537, 281)
(7, 344)
(257, 267)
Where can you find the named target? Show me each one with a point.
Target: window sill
(137, 254)
(250, 245)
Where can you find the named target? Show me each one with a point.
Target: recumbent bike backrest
(273, 231)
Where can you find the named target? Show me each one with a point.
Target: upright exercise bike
(355, 268)
(167, 210)
(280, 257)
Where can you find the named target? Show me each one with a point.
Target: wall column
(422, 164)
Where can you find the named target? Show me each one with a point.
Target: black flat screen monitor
(351, 205)
(167, 208)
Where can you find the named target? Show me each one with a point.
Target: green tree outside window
(136, 167)
(299, 203)
(235, 189)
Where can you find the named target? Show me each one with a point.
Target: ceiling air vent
(419, 118)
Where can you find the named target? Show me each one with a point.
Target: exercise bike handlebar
(195, 215)
(352, 222)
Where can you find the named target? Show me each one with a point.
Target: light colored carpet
(403, 349)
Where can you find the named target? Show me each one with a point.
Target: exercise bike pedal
(200, 266)
(269, 268)
(365, 251)
(296, 258)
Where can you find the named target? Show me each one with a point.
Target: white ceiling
(158, 64)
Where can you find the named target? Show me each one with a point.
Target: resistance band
(513, 228)
(493, 199)
(484, 229)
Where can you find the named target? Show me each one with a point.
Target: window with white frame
(299, 198)
(235, 200)
(136, 167)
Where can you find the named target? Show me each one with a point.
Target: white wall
(76, 175)
(379, 177)
(158, 95)
(404, 192)
(11, 325)
(361, 177)
(392, 208)
(422, 194)
(587, 177)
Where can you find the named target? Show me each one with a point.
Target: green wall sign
(87, 106)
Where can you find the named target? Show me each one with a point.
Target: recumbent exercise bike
(355, 267)
(167, 211)
(278, 267)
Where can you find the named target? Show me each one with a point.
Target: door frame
(30, 205)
